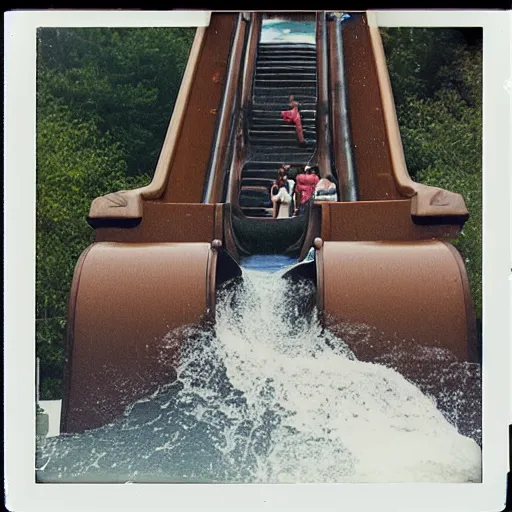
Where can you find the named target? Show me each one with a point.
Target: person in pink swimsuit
(293, 116)
(305, 187)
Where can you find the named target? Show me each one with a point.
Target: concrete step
(282, 46)
(287, 52)
(261, 104)
(249, 197)
(283, 91)
(280, 67)
(259, 173)
(282, 102)
(274, 116)
(278, 146)
(260, 169)
(291, 53)
(247, 202)
(268, 110)
(286, 44)
(274, 79)
(278, 135)
(291, 156)
(258, 182)
(281, 126)
(276, 122)
(285, 60)
(251, 165)
(287, 77)
(272, 131)
(306, 98)
(257, 212)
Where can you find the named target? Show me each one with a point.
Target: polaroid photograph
(263, 253)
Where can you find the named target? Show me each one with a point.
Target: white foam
(341, 419)
(270, 397)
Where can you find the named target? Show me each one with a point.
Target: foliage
(104, 100)
(437, 85)
(124, 80)
(75, 163)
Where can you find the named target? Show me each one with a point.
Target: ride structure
(382, 252)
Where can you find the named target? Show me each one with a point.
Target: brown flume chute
(161, 251)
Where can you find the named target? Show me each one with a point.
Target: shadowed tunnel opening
(268, 236)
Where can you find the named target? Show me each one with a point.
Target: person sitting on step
(325, 189)
(293, 116)
(281, 194)
(306, 184)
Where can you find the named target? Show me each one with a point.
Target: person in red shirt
(305, 187)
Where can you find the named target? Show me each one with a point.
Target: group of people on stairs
(294, 189)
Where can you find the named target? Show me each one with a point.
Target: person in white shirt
(325, 189)
(281, 194)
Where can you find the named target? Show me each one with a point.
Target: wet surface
(269, 396)
(267, 262)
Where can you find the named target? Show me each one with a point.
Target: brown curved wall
(128, 297)
(188, 168)
(169, 222)
(369, 139)
(378, 220)
(411, 293)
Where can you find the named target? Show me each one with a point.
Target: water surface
(268, 396)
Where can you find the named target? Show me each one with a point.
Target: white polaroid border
(23, 493)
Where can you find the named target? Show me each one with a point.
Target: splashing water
(269, 397)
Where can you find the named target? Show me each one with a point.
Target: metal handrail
(342, 144)
(322, 106)
(215, 175)
(244, 109)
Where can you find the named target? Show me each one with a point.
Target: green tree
(125, 80)
(75, 164)
(417, 57)
(104, 100)
(437, 85)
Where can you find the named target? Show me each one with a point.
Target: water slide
(382, 257)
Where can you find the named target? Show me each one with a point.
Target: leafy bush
(104, 100)
(125, 80)
(437, 85)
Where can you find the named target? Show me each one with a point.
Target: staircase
(281, 69)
